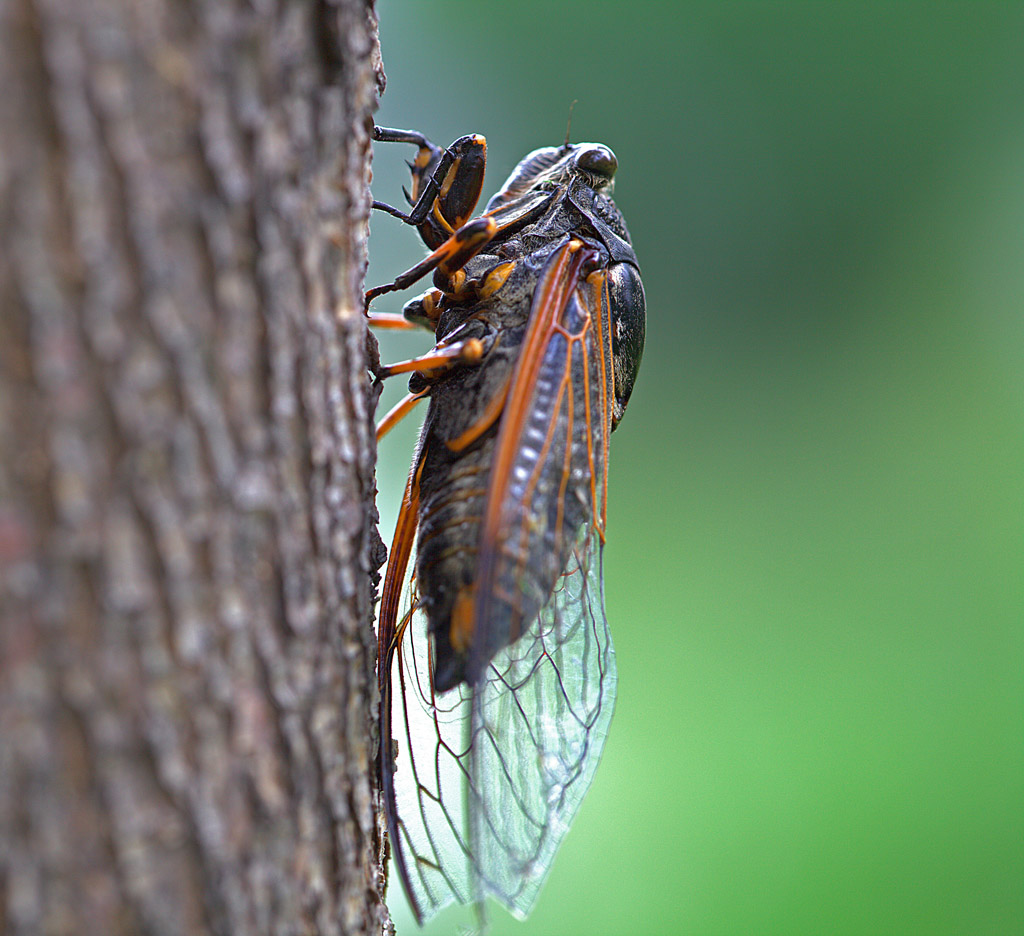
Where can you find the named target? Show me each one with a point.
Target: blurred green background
(815, 563)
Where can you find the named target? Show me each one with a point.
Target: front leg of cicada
(446, 183)
(446, 186)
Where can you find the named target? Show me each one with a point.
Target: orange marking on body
(431, 304)
(496, 279)
(440, 505)
(490, 414)
(460, 629)
(437, 529)
(456, 549)
(452, 255)
(466, 551)
(456, 283)
(467, 471)
(472, 349)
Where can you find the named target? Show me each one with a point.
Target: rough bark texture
(186, 484)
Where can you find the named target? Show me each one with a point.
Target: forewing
(547, 480)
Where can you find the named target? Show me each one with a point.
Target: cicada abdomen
(497, 672)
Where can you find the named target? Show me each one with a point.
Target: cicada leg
(389, 320)
(446, 183)
(452, 255)
(469, 240)
(441, 358)
(446, 186)
(398, 412)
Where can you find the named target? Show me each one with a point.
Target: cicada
(496, 669)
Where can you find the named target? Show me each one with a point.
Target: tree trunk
(187, 537)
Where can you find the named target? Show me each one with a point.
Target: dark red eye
(597, 159)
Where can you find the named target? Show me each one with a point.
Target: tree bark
(187, 529)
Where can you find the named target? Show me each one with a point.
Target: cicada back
(497, 671)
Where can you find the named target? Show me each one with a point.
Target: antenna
(568, 124)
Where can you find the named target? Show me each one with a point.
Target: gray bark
(187, 539)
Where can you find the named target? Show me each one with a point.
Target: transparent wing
(488, 780)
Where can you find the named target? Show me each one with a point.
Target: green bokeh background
(815, 564)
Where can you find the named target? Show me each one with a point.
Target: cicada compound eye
(598, 159)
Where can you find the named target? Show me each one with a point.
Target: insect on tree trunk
(186, 484)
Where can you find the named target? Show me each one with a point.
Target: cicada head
(550, 166)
